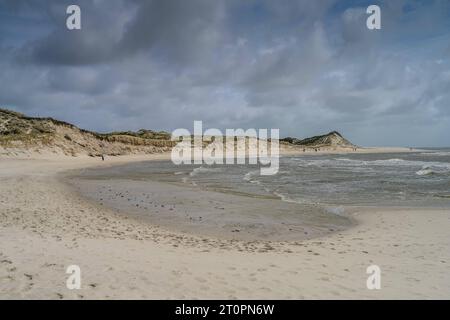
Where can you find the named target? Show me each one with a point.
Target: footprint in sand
(201, 280)
(261, 269)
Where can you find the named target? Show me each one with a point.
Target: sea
(410, 179)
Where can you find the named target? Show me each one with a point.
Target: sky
(306, 67)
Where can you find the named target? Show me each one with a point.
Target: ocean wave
(248, 176)
(391, 161)
(425, 172)
(339, 211)
(201, 169)
(433, 169)
(437, 153)
(286, 198)
(345, 162)
(187, 180)
(394, 161)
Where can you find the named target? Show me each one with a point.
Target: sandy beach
(46, 226)
(233, 150)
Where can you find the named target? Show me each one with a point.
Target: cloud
(305, 67)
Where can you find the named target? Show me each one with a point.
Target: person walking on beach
(103, 157)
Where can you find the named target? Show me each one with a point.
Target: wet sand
(187, 209)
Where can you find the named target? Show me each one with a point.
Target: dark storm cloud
(96, 43)
(180, 31)
(302, 66)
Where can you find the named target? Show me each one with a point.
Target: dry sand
(45, 227)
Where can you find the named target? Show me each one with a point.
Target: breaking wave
(432, 170)
(200, 170)
(437, 153)
(339, 211)
(355, 162)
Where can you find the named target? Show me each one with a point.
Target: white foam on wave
(437, 153)
(390, 161)
(385, 162)
(201, 169)
(286, 198)
(425, 172)
(249, 175)
(339, 211)
(394, 161)
(433, 169)
(186, 180)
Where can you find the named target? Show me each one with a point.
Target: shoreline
(44, 228)
(187, 210)
(222, 214)
(14, 154)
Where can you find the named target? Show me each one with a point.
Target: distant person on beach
(103, 158)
